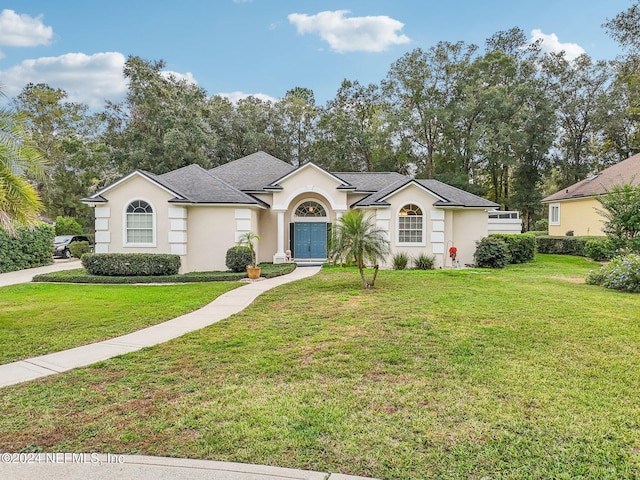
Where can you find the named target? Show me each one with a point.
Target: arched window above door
(310, 209)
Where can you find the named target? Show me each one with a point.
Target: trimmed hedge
(31, 247)
(521, 246)
(80, 275)
(600, 249)
(238, 258)
(563, 245)
(131, 264)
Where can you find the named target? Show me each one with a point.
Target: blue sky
(266, 47)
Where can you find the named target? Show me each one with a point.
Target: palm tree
(359, 239)
(246, 239)
(19, 200)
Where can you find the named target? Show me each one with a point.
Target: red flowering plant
(453, 251)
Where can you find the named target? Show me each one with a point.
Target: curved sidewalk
(222, 307)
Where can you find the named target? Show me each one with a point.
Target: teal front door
(310, 240)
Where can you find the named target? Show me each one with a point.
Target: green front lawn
(42, 318)
(521, 373)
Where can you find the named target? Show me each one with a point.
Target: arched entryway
(309, 230)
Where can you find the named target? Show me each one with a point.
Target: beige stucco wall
(468, 227)
(579, 215)
(119, 197)
(417, 196)
(308, 182)
(211, 234)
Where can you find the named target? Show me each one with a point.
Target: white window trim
(296, 219)
(398, 243)
(551, 207)
(154, 215)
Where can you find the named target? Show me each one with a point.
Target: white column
(280, 256)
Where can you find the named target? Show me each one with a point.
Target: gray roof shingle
(253, 172)
(197, 185)
(451, 196)
(370, 181)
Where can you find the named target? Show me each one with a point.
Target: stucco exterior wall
(309, 181)
(579, 215)
(214, 230)
(468, 227)
(433, 233)
(112, 216)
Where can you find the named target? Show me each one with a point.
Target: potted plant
(253, 270)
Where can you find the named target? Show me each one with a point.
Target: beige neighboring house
(576, 208)
(199, 214)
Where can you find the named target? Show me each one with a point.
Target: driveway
(25, 276)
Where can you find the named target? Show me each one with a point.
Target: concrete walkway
(222, 307)
(25, 276)
(81, 466)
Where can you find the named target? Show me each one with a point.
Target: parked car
(61, 244)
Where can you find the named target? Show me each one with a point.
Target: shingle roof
(455, 197)
(197, 185)
(627, 171)
(253, 172)
(370, 181)
(450, 196)
(233, 182)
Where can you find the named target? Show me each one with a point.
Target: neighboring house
(199, 214)
(575, 208)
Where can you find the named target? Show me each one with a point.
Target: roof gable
(444, 194)
(311, 166)
(627, 171)
(99, 195)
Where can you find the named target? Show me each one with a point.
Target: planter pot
(253, 272)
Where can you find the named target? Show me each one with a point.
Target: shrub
(238, 259)
(621, 273)
(521, 247)
(542, 224)
(491, 252)
(68, 226)
(425, 262)
(131, 264)
(400, 261)
(562, 245)
(30, 247)
(269, 270)
(599, 249)
(78, 249)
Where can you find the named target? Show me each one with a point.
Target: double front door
(309, 240)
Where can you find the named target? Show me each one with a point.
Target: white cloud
(369, 34)
(235, 96)
(23, 30)
(87, 79)
(551, 44)
(188, 77)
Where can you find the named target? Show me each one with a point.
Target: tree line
(505, 121)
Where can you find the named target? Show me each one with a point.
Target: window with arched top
(139, 223)
(310, 209)
(410, 223)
